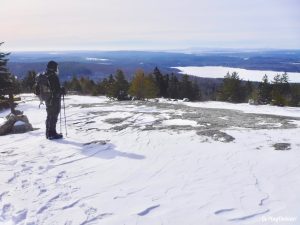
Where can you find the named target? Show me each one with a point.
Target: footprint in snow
(2, 195)
(40, 186)
(146, 211)
(25, 184)
(221, 211)
(60, 176)
(246, 217)
(7, 211)
(16, 175)
(20, 216)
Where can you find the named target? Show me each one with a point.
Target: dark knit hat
(52, 65)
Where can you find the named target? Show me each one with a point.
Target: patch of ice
(179, 122)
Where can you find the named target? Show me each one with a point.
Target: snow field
(113, 169)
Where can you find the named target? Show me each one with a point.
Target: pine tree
(231, 89)
(186, 88)
(295, 95)
(248, 90)
(102, 87)
(281, 91)
(28, 82)
(120, 86)
(161, 82)
(196, 93)
(264, 91)
(5, 76)
(74, 85)
(110, 86)
(173, 89)
(8, 83)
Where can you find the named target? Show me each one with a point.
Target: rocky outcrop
(15, 123)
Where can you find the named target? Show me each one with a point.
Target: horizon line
(191, 50)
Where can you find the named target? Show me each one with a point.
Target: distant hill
(99, 64)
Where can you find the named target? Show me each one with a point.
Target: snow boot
(54, 135)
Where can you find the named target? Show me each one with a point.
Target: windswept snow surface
(153, 163)
(220, 72)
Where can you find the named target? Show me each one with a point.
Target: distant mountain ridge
(99, 64)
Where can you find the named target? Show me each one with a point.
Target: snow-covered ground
(153, 163)
(220, 72)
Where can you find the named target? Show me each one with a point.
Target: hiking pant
(53, 109)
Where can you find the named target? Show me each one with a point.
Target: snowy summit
(146, 163)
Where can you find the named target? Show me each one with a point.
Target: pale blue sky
(149, 25)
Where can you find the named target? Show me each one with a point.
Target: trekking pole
(65, 115)
(60, 122)
(60, 119)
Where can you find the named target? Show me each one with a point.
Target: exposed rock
(121, 127)
(216, 135)
(15, 124)
(282, 146)
(115, 120)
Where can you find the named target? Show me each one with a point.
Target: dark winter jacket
(56, 90)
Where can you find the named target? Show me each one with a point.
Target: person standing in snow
(53, 103)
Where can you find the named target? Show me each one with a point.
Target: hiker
(53, 103)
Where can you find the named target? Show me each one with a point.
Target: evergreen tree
(185, 87)
(248, 90)
(102, 86)
(120, 86)
(196, 93)
(110, 86)
(8, 83)
(161, 82)
(173, 89)
(232, 89)
(75, 85)
(264, 91)
(281, 91)
(28, 82)
(295, 95)
(87, 86)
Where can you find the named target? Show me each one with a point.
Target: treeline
(141, 87)
(233, 89)
(276, 92)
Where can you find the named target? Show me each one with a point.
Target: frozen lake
(220, 72)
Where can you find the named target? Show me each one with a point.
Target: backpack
(42, 87)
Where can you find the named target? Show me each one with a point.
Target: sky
(149, 25)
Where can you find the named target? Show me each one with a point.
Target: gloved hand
(63, 91)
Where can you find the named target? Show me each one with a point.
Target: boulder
(15, 123)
